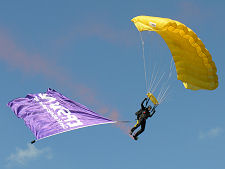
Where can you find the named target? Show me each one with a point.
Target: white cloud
(214, 132)
(23, 156)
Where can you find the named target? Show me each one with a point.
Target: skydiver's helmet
(149, 108)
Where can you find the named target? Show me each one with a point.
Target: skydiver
(142, 116)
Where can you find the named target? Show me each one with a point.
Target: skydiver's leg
(142, 123)
(135, 127)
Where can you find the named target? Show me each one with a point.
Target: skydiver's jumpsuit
(142, 116)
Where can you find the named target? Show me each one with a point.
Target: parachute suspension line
(165, 88)
(150, 86)
(156, 75)
(152, 64)
(143, 56)
(164, 95)
(158, 82)
(160, 93)
(154, 80)
(165, 98)
(171, 67)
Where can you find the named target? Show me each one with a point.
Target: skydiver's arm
(153, 112)
(142, 104)
(147, 102)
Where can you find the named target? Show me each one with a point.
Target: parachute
(194, 65)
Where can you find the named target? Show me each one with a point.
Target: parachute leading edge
(193, 61)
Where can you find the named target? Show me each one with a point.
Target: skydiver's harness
(139, 112)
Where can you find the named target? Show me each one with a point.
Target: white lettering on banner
(44, 96)
(61, 114)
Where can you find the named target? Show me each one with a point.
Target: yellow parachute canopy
(193, 61)
(152, 98)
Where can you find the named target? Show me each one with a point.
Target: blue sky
(90, 51)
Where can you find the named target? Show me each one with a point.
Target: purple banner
(51, 113)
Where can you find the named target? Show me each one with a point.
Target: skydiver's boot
(131, 132)
(135, 137)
